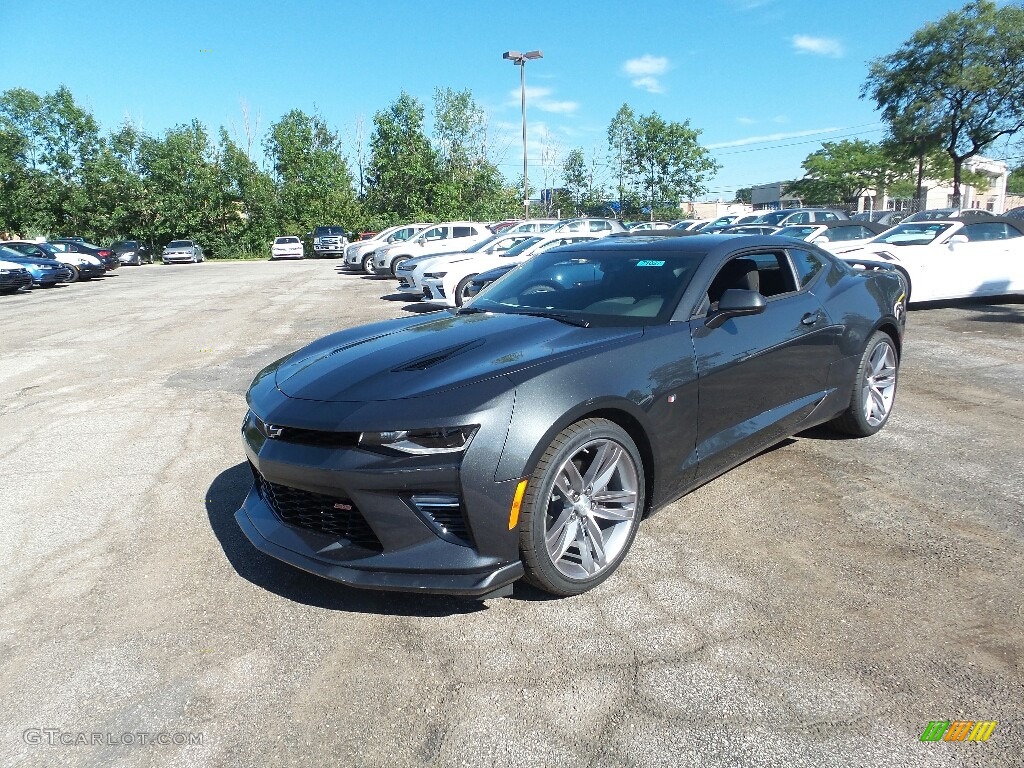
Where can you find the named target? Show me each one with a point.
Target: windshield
(183, 244)
(772, 218)
(525, 245)
(598, 286)
(913, 233)
(800, 233)
(286, 240)
(328, 231)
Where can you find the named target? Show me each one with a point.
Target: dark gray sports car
(528, 433)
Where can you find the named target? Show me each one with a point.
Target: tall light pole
(519, 59)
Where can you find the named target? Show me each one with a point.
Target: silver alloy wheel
(879, 384)
(591, 509)
(369, 267)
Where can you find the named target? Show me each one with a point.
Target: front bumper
(12, 282)
(359, 517)
(291, 545)
(178, 258)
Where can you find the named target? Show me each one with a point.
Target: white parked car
(447, 237)
(644, 226)
(835, 236)
(182, 252)
(410, 273)
(359, 255)
(531, 225)
(447, 279)
(600, 227)
(287, 247)
(954, 259)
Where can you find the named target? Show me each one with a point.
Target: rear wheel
(582, 507)
(874, 389)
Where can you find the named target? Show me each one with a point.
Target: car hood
(416, 357)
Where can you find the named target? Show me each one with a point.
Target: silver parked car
(182, 252)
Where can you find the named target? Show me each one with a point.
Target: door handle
(810, 318)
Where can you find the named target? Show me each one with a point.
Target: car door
(974, 259)
(759, 375)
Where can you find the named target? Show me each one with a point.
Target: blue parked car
(46, 273)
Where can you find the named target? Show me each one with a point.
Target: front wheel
(874, 389)
(369, 267)
(397, 263)
(461, 288)
(76, 273)
(582, 507)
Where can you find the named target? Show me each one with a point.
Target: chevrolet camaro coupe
(529, 432)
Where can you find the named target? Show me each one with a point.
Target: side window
(807, 265)
(768, 273)
(599, 226)
(437, 233)
(799, 218)
(463, 232)
(825, 216)
(774, 275)
(989, 230)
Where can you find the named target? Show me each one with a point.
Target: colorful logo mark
(959, 730)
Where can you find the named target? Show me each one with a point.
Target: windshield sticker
(650, 263)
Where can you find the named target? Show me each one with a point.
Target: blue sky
(766, 81)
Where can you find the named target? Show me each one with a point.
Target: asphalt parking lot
(817, 606)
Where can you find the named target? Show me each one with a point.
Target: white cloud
(540, 98)
(746, 120)
(649, 84)
(770, 137)
(646, 65)
(645, 72)
(821, 46)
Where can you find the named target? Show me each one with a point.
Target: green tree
(1015, 183)
(667, 162)
(743, 195)
(314, 185)
(840, 172)
(181, 171)
(959, 80)
(403, 167)
(621, 136)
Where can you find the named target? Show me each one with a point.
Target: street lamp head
(533, 55)
(513, 55)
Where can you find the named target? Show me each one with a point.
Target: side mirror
(736, 303)
(957, 240)
(820, 240)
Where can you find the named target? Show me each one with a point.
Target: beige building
(992, 198)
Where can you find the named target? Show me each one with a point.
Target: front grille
(444, 513)
(319, 438)
(333, 515)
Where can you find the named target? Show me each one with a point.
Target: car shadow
(421, 309)
(225, 496)
(395, 297)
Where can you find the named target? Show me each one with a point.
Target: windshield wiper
(555, 316)
(469, 310)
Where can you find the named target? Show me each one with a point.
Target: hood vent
(442, 355)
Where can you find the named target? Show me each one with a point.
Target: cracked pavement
(816, 606)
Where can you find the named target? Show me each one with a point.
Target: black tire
(76, 274)
(546, 506)
(874, 389)
(397, 263)
(369, 267)
(460, 289)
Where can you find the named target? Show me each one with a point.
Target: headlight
(421, 441)
(435, 275)
(5, 271)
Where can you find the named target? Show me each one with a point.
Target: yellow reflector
(517, 502)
